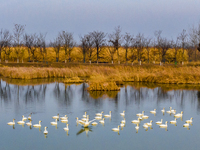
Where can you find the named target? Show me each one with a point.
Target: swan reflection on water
(86, 130)
(45, 136)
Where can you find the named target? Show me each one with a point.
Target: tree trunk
(65, 57)
(195, 54)
(17, 60)
(126, 55)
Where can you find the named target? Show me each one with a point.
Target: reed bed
(106, 77)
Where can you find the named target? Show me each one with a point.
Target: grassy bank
(107, 77)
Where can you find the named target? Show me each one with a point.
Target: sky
(83, 16)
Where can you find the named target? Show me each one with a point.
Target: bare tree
(175, 45)
(164, 47)
(7, 44)
(158, 40)
(198, 35)
(18, 39)
(190, 50)
(128, 40)
(147, 44)
(111, 50)
(193, 40)
(29, 42)
(90, 48)
(34, 46)
(139, 44)
(68, 43)
(83, 46)
(183, 38)
(99, 40)
(41, 43)
(116, 39)
(5, 39)
(57, 46)
(133, 48)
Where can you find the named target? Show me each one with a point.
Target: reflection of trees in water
(16, 93)
(33, 93)
(198, 96)
(85, 96)
(5, 92)
(140, 95)
(63, 95)
(96, 97)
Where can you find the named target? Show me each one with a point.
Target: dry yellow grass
(96, 74)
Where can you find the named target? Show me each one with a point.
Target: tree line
(186, 46)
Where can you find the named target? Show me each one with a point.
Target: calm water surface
(46, 100)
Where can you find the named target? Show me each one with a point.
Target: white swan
(45, 130)
(153, 111)
(21, 122)
(123, 114)
(186, 125)
(29, 123)
(145, 116)
(37, 125)
(137, 127)
(140, 114)
(159, 122)
(102, 121)
(136, 121)
(123, 121)
(173, 111)
(11, 123)
(98, 117)
(179, 115)
(56, 117)
(108, 116)
(163, 125)
(99, 114)
(66, 128)
(122, 125)
(85, 116)
(29, 117)
(94, 123)
(145, 125)
(163, 110)
(86, 123)
(63, 118)
(84, 119)
(173, 121)
(149, 123)
(79, 121)
(115, 129)
(169, 111)
(24, 118)
(54, 123)
(189, 121)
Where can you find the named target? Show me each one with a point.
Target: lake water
(46, 100)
